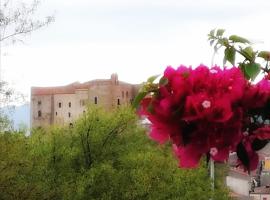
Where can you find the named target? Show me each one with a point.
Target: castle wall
(41, 106)
(64, 108)
(122, 94)
(81, 101)
(63, 105)
(100, 95)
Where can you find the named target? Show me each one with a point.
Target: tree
(53, 163)
(7, 98)
(18, 20)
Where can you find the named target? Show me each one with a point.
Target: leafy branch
(149, 88)
(19, 20)
(234, 45)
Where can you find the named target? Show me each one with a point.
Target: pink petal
(262, 133)
(159, 135)
(221, 155)
(169, 72)
(189, 156)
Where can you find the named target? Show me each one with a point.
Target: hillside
(19, 115)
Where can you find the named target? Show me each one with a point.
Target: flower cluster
(209, 111)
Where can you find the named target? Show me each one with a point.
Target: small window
(59, 104)
(39, 103)
(123, 94)
(39, 113)
(82, 102)
(126, 94)
(69, 114)
(70, 125)
(118, 101)
(69, 104)
(56, 113)
(95, 100)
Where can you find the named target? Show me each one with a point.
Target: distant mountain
(19, 115)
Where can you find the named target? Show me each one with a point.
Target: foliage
(233, 45)
(105, 156)
(8, 97)
(15, 167)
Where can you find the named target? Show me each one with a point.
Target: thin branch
(18, 21)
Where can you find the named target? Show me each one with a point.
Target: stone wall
(64, 104)
(41, 109)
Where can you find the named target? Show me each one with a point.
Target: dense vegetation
(104, 156)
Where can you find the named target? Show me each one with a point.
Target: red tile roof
(68, 89)
(71, 88)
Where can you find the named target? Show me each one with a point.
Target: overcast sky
(135, 38)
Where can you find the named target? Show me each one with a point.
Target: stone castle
(64, 104)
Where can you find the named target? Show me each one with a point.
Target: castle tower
(114, 79)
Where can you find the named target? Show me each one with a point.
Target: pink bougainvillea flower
(256, 96)
(189, 156)
(221, 154)
(196, 107)
(262, 133)
(220, 111)
(201, 110)
(159, 135)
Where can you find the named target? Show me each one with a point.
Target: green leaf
(163, 81)
(220, 32)
(152, 78)
(221, 41)
(265, 55)
(212, 32)
(252, 70)
(236, 38)
(248, 51)
(229, 55)
(242, 66)
(138, 99)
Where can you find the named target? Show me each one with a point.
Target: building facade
(64, 104)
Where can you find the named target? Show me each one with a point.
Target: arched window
(39, 113)
(126, 94)
(69, 104)
(118, 101)
(59, 104)
(69, 114)
(83, 102)
(56, 113)
(96, 102)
